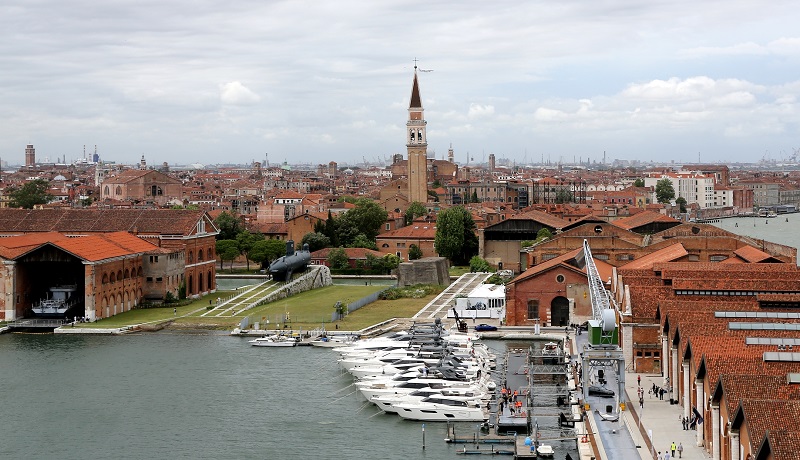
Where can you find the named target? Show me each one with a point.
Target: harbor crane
(602, 354)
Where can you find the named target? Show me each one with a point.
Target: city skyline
(180, 83)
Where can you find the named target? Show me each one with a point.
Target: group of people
(658, 391)
(510, 398)
(671, 453)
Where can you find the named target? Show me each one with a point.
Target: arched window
(191, 257)
(189, 286)
(119, 274)
(127, 273)
(139, 271)
(106, 191)
(200, 255)
(210, 279)
(210, 254)
(105, 278)
(118, 190)
(113, 277)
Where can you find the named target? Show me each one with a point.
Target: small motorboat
(274, 341)
(334, 342)
(545, 451)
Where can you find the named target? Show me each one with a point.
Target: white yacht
(274, 341)
(442, 408)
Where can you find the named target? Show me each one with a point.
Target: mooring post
(423, 436)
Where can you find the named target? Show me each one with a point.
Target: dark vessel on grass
(282, 268)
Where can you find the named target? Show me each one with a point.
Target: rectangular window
(159, 279)
(149, 279)
(533, 309)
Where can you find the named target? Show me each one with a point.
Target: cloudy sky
(229, 82)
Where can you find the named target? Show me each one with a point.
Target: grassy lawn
(307, 310)
(382, 310)
(459, 270)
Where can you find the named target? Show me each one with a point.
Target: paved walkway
(660, 420)
(656, 425)
(444, 301)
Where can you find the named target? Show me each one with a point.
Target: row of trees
(251, 245)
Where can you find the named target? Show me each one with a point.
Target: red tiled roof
(752, 255)
(412, 231)
(76, 221)
(90, 248)
(668, 254)
(643, 218)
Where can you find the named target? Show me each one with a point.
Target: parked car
(485, 327)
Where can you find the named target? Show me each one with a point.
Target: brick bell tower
(417, 145)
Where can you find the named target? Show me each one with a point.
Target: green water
(167, 395)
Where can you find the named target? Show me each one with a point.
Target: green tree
(367, 218)
(30, 194)
(455, 235)
(414, 252)
(337, 259)
(664, 191)
(246, 241)
(390, 262)
(330, 229)
(267, 250)
(229, 226)
(478, 264)
(474, 197)
(315, 241)
(415, 209)
(681, 202)
(543, 234)
(564, 196)
(227, 250)
(361, 241)
(638, 183)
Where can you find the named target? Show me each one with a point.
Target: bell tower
(417, 145)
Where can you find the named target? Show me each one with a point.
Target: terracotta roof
(643, 218)
(541, 217)
(90, 248)
(780, 444)
(752, 255)
(568, 260)
(412, 231)
(668, 254)
(148, 221)
(105, 246)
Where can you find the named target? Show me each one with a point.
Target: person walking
(660, 457)
(639, 380)
(641, 402)
(666, 455)
(672, 448)
(680, 450)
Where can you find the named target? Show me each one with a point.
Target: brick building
(107, 273)
(141, 186)
(188, 231)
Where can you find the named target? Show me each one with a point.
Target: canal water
(178, 395)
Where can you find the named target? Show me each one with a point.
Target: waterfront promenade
(659, 418)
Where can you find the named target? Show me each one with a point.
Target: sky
(311, 82)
